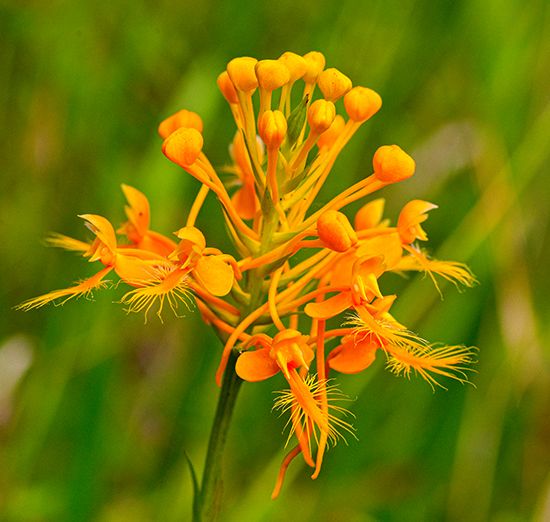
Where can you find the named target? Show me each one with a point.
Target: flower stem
(211, 491)
(207, 505)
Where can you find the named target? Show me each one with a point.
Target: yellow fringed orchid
(298, 262)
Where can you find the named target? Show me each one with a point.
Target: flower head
(271, 306)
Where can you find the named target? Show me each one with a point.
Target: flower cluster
(269, 305)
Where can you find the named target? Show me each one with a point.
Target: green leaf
(196, 489)
(296, 121)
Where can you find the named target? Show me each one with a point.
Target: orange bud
(183, 146)
(391, 164)
(410, 217)
(271, 74)
(333, 84)
(183, 118)
(315, 63)
(331, 134)
(295, 64)
(320, 115)
(227, 88)
(369, 215)
(361, 103)
(242, 73)
(335, 231)
(272, 128)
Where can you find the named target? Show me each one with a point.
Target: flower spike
(302, 292)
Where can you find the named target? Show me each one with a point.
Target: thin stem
(208, 506)
(211, 492)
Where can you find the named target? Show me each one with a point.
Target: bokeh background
(97, 409)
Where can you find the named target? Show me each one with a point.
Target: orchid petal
(256, 365)
(331, 307)
(352, 357)
(214, 274)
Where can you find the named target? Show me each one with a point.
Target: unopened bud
(361, 103)
(272, 128)
(183, 146)
(295, 64)
(315, 63)
(271, 74)
(183, 118)
(335, 231)
(320, 115)
(333, 84)
(242, 73)
(392, 164)
(227, 88)
(331, 134)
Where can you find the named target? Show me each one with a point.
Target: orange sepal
(245, 201)
(137, 211)
(412, 214)
(214, 274)
(352, 357)
(102, 229)
(387, 246)
(370, 215)
(157, 243)
(134, 270)
(341, 274)
(256, 366)
(331, 307)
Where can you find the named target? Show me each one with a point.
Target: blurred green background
(97, 408)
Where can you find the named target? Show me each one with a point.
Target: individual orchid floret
(335, 231)
(315, 63)
(183, 146)
(362, 103)
(413, 214)
(243, 73)
(295, 64)
(392, 164)
(183, 118)
(333, 84)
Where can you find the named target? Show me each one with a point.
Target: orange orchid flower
(135, 267)
(409, 228)
(410, 218)
(295, 263)
(211, 269)
(289, 353)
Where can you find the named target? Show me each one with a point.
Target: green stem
(211, 492)
(207, 506)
